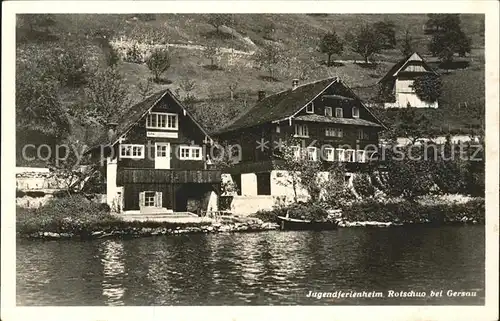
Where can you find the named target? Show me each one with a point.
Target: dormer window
(339, 113)
(355, 112)
(310, 108)
(328, 111)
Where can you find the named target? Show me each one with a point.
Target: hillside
(297, 34)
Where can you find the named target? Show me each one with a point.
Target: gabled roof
(288, 103)
(126, 120)
(402, 63)
(280, 105)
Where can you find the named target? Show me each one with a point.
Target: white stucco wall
(111, 188)
(405, 94)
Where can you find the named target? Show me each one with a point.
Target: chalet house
(400, 78)
(155, 160)
(326, 116)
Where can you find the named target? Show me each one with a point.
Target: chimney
(262, 95)
(295, 83)
(111, 127)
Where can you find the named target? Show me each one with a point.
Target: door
(162, 155)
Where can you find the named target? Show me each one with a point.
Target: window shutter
(159, 200)
(142, 199)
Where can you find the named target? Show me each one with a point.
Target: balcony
(168, 176)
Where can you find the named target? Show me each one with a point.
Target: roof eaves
(363, 104)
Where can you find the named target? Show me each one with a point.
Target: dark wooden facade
(179, 181)
(254, 159)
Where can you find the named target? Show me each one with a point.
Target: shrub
(307, 211)
(66, 214)
(414, 212)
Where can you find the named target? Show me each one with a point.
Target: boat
(293, 224)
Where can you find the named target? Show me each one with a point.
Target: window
(310, 108)
(278, 129)
(339, 154)
(296, 152)
(349, 155)
(328, 111)
(361, 156)
(131, 151)
(330, 132)
(312, 153)
(161, 150)
(339, 113)
(334, 132)
(301, 130)
(355, 112)
(190, 153)
(363, 134)
(150, 199)
(328, 154)
(162, 121)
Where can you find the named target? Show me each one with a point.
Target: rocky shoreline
(216, 227)
(133, 232)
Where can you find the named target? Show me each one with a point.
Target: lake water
(277, 268)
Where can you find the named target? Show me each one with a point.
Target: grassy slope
(298, 34)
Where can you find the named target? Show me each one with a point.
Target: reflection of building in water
(113, 272)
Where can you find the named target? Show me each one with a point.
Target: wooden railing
(151, 175)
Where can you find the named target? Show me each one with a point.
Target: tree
(303, 171)
(72, 67)
(428, 87)
(107, 95)
(414, 125)
(331, 45)
(365, 41)
(269, 58)
(188, 86)
(212, 51)
(158, 62)
(408, 173)
(447, 37)
(387, 30)
(407, 45)
(218, 20)
(363, 186)
(38, 107)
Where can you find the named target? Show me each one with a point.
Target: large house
(155, 160)
(321, 113)
(399, 81)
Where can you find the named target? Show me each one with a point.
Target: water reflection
(261, 268)
(114, 272)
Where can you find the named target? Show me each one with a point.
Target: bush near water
(78, 216)
(393, 211)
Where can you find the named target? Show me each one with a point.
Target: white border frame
(488, 312)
